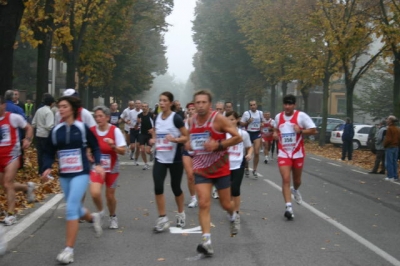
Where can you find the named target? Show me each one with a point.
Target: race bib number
(5, 135)
(235, 152)
(288, 139)
(197, 141)
(105, 161)
(114, 120)
(255, 125)
(70, 161)
(162, 144)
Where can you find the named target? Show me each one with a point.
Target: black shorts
(144, 139)
(134, 135)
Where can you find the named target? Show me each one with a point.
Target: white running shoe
(235, 225)
(146, 167)
(135, 162)
(30, 196)
(65, 257)
(180, 220)
(193, 203)
(10, 220)
(205, 247)
(113, 222)
(296, 195)
(97, 223)
(215, 193)
(162, 224)
(3, 243)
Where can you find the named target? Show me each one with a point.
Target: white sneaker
(162, 224)
(10, 220)
(296, 195)
(180, 219)
(389, 179)
(30, 196)
(113, 222)
(135, 162)
(215, 193)
(3, 243)
(146, 167)
(193, 203)
(97, 223)
(65, 257)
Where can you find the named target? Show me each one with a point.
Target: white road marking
(335, 164)
(315, 159)
(383, 254)
(178, 230)
(364, 173)
(19, 227)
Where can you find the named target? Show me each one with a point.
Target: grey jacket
(379, 138)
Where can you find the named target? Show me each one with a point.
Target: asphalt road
(348, 218)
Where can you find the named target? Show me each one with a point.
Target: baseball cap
(70, 92)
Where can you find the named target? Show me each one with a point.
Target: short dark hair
(289, 99)
(235, 114)
(203, 92)
(170, 97)
(74, 102)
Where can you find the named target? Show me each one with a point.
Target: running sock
(10, 213)
(69, 249)
(232, 217)
(207, 237)
(194, 197)
(288, 204)
(101, 213)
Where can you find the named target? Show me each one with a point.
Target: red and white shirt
(10, 144)
(291, 144)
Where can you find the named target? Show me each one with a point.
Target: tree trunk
(284, 88)
(396, 86)
(107, 96)
(349, 98)
(273, 100)
(10, 19)
(305, 92)
(325, 98)
(71, 69)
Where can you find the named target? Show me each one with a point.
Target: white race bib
(236, 151)
(162, 144)
(197, 141)
(114, 120)
(255, 125)
(105, 161)
(70, 161)
(5, 135)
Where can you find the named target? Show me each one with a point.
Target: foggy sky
(180, 46)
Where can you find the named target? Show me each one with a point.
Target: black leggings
(236, 180)
(160, 173)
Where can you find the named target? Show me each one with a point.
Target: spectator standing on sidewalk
(380, 150)
(391, 144)
(347, 138)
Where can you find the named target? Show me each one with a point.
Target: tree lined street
(348, 218)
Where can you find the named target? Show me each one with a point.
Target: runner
(169, 135)
(211, 163)
(188, 162)
(10, 152)
(83, 114)
(228, 107)
(237, 157)
(125, 119)
(252, 120)
(146, 125)
(115, 115)
(111, 142)
(290, 127)
(134, 132)
(267, 135)
(69, 141)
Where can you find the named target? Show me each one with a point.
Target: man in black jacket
(347, 138)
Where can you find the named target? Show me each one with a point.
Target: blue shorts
(219, 182)
(254, 135)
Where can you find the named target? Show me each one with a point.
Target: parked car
(329, 128)
(360, 136)
(318, 121)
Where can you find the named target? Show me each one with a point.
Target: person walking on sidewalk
(347, 138)
(69, 141)
(380, 150)
(112, 143)
(211, 164)
(169, 135)
(391, 144)
(290, 127)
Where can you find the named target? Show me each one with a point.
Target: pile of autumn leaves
(29, 173)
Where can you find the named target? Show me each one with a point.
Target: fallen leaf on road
(265, 218)
(212, 225)
(362, 182)
(161, 259)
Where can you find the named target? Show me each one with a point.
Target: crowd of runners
(212, 144)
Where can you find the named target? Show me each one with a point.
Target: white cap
(70, 92)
